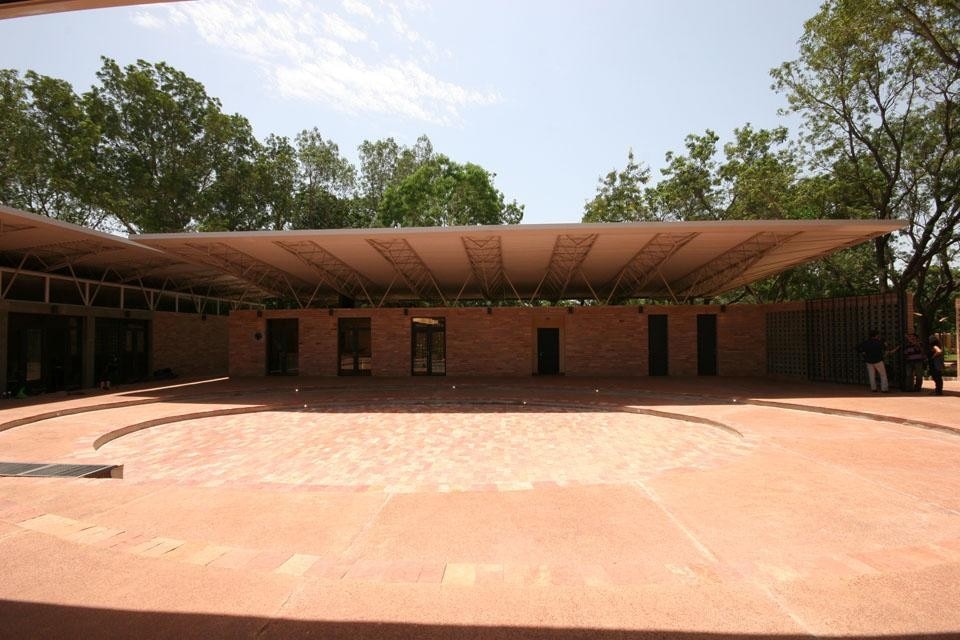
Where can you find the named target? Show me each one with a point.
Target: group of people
(873, 350)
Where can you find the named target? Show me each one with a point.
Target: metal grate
(46, 470)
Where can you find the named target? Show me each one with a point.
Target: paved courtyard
(451, 508)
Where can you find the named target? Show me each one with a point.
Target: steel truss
(333, 272)
(60, 255)
(485, 254)
(646, 263)
(569, 252)
(410, 267)
(719, 274)
(6, 227)
(263, 276)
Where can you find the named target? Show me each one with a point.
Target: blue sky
(548, 95)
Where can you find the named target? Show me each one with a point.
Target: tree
(275, 182)
(46, 143)
(382, 164)
(164, 144)
(756, 178)
(877, 86)
(444, 193)
(620, 196)
(325, 183)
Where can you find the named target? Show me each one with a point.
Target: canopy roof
(607, 262)
(673, 260)
(42, 244)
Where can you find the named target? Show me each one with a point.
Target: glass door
(354, 347)
(429, 350)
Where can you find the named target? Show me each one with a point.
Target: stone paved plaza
(444, 508)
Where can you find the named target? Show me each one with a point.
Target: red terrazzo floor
(548, 508)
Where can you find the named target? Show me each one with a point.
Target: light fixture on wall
(640, 309)
(489, 311)
(406, 311)
(259, 313)
(723, 308)
(258, 336)
(569, 310)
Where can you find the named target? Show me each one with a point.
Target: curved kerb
(331, 407)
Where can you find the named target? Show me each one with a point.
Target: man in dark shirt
(872, 350)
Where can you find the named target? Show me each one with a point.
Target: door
(121, 353)
(707, 344)
(657, 344)
(548, 351)
(429, 347)
(355, 353)
(283, 339)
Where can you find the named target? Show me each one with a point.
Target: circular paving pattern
(422, 448)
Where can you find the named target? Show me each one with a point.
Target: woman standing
(936, 364)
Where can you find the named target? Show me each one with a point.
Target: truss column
(4, 343)
(88, 376)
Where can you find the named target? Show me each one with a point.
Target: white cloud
(358, 8)
(321, 57)
(340, 28)
(148, 20)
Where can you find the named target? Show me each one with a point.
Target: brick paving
(589, 488)
(406, 449)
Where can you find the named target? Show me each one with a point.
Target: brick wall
(594, 341)
(189, 345)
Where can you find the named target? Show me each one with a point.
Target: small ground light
(454, 387)
(304, 406)
(297, 390)
(596, 390)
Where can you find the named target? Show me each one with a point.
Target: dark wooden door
(548, 351)
(659, 355)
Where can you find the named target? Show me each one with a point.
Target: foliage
(147, 150)
(620, 195)
(46, 148)
(445, 193)
(876, 83)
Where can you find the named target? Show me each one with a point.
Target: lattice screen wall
(820, 342)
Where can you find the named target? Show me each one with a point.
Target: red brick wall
(248, 355)
(595, 341)
(189, 345)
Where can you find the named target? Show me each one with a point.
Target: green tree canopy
(620, 195)
(445, 193)
(876, 83)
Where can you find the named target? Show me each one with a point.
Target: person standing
(872, 351)
(936, 364)
(914, 357)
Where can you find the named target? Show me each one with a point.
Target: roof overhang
(670, 260)
(42, 244)
(24, 8)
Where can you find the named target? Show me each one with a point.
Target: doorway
(429, 347)
(548, 351)
(121, 353)
(354, 347)
(283, 339)
(657, 344)
(44, 353)
(707, 344)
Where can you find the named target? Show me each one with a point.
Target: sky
(548, 95)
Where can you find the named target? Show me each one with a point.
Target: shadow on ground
(34, 620)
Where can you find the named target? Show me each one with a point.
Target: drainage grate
(45, 470)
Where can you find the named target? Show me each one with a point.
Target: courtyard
(545, 507)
